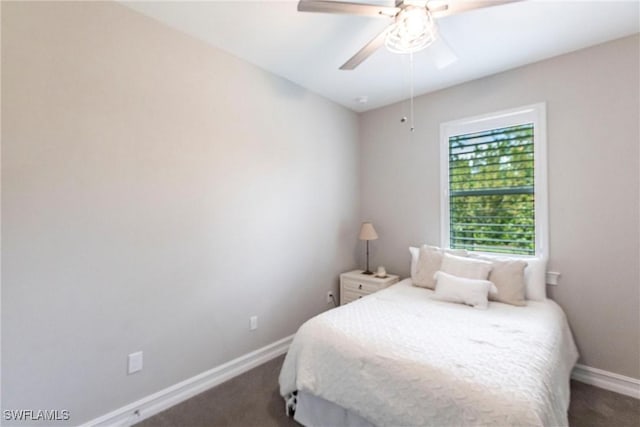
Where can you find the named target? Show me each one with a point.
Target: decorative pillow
(415, 253)
(508, 277)
(535, 280)
(468, 268)
(429, 261)
(461, 290)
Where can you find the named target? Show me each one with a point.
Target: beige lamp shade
(367, 232)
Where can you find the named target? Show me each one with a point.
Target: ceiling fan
(413, 27)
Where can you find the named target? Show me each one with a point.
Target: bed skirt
(314, 411)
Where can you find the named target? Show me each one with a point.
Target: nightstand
(355, 285)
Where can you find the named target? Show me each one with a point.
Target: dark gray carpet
(252, 399)
(594, 407)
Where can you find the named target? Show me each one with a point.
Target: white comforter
(399, 358)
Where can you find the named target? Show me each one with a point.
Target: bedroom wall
(156, 193)
(593, 108)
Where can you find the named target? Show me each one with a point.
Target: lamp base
(367, 272)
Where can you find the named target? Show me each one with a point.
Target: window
(494, 177)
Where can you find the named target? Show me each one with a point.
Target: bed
(401, 358)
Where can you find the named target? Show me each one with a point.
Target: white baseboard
(170, 396)
(607, 380)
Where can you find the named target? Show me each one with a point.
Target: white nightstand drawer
(359, 286)
(355, 285)
(348, 296)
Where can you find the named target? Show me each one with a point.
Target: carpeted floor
(252, 399)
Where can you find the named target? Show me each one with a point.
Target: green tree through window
(491, 190)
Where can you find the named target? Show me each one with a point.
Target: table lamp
(367, 232)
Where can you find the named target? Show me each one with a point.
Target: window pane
(491, 190)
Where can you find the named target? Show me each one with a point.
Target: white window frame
(536, 114)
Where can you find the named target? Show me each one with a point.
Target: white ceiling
(308, 48)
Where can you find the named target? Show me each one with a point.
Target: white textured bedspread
(399, 358)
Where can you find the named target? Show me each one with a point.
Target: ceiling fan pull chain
(411, 85)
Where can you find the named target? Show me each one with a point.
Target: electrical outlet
(134, 362)
(552, 277)
(253, 323)
(329, 297)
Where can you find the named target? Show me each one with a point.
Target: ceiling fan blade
(440, 9)
(442, 53)
(349, 8)
(366, 51)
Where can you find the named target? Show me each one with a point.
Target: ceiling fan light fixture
(413, 31)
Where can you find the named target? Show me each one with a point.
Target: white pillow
(461, 290)
(534, 275)
(415, 254)
(535, 278)
(468, 268)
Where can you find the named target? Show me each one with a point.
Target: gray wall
(156, 192)
(593, 139)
